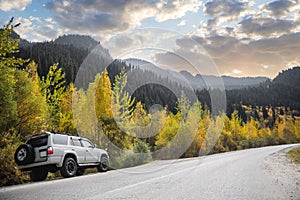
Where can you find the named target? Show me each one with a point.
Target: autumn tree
(31, 105)
(53, 87)
(140, 120)
(103, 98)
(21, 104)
(66, 120)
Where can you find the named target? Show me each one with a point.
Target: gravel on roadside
(284, 172)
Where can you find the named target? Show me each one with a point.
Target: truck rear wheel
(69, 168)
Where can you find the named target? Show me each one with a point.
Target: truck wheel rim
(22, 154)
(70, 167)
(104, 164)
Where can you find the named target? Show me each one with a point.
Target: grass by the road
(294, 154)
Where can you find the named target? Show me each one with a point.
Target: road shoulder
(284, 172)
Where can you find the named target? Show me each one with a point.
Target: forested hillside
(289, 77)
(68, 52)
(280, 92)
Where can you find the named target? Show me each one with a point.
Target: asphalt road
(233, 175)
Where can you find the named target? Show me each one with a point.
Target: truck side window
(86, 143)
(75, 142)
(60, 139)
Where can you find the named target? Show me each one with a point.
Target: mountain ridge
(198, 81)
(85, 44)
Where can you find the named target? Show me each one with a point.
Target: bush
(9, 174)
(139, 155)
(294, 155)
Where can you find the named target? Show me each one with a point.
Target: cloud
(8, 5)
(242, 39)
(281, 7)
(189, 55)
(267, 26)
(37, 29)
(102, 16)
(238, 57)
(223, 11)
(140, 42)
(225, 8)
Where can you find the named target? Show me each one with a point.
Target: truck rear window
(60, 139)
(38, 141)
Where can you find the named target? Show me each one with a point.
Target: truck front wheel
(104, 164)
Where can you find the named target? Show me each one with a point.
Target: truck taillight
(50, 150)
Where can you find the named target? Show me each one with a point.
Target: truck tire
(69, 168)
(104, 164)
(38, 174)
(24, 154)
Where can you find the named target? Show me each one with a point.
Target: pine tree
(122, 103)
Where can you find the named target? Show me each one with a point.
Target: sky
(235, 37)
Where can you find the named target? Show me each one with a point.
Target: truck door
(91, 154)
(79, 149)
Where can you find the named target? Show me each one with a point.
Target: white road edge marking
(144, 182)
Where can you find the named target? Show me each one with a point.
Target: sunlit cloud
(36, 29)
(253, 37)
(8, 5)
(106, 17)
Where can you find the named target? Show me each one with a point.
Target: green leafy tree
(122, 102)
(9, 46)
(31, 105)
(53, 87)
(21, 105)
(8, 63)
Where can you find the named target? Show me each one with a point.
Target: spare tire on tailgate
(24, 154)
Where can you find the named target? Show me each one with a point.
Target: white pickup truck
(49, 152)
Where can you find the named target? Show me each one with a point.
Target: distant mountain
(197, 82)
(71, 52)
(289, 77)
(163, 73)
(283, 90)
(78, 41)
(22, 43)
(204, 81)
